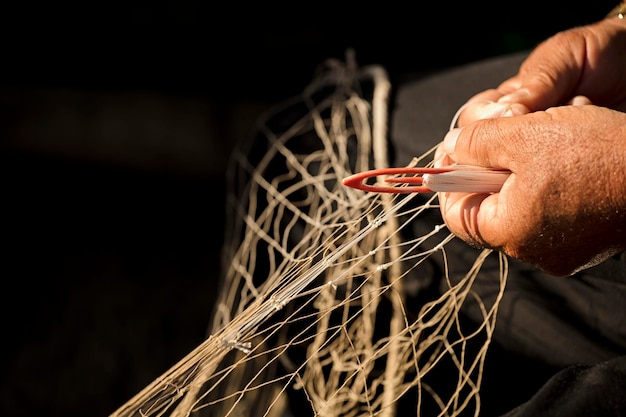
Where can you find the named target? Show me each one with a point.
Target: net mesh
(333, 301)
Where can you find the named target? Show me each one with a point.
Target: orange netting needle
(452, 178)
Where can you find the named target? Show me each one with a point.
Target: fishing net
(334, 301)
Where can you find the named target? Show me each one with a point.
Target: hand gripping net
(333, 301)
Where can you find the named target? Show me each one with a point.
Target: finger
(484, 106)
(579, 101)
(470, 217)
(441, 159)
(489, 110)
(510, 85)
(550, 73)
(487, 143)
(471, 110)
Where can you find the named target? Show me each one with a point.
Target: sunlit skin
(559, 126)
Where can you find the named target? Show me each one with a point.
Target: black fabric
(580, 390)
(569, 332)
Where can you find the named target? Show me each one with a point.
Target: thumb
(551, 74)
(482, 142)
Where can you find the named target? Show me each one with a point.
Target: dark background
(116, 123)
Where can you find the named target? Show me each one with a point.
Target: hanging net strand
(333, 301)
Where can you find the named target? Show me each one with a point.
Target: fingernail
(494, 110)
(580, 101)
(449, 141)
(515, 97)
